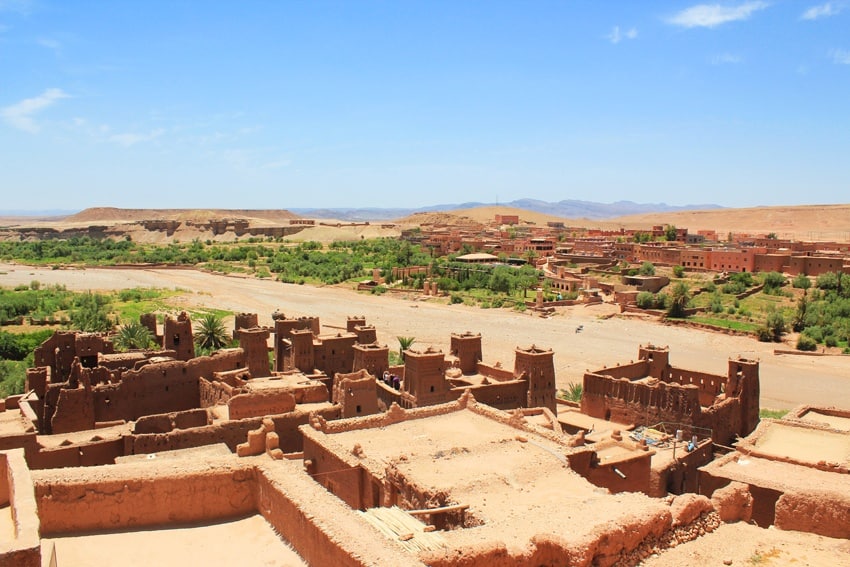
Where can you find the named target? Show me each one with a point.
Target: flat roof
(833, 421)
(803, 444)
(515, 482)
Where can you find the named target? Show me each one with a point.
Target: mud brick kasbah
(443, 460)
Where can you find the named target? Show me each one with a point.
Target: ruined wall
(244, 321)
(214, 392)
(710, 385)
(74, 411)
(339, 472)
(631, 371)
(163, 423)
(500, 395)
(629, 402)
(161, 387)
(356, 393)
(90, 453)
(231, 433)
(138, 495)
(258, 404)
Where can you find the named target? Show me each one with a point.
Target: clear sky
(407, 103)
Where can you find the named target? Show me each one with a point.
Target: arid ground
(786, 380)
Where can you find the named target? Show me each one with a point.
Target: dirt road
(786, 381)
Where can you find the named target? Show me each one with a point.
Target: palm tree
(405, 343)
(133, 335)
(210, 333)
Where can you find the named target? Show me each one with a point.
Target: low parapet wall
(141, 495)
(23, 549)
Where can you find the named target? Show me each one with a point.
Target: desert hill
(106, 215)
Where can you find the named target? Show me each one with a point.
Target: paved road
(786, 381)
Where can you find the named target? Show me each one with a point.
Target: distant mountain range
(568, 209)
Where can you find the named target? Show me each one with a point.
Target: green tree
(774, 327)
(647, 269)
(210, 333)
(670, 233)
(680, 296)
(91, 314)
(133, 335)
(801, 281)
(678, 271)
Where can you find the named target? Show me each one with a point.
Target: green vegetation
(571, 393)
(765, 413)
(210, 333)
(133, 335)
(404, 343)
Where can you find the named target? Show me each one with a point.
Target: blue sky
(405, 103)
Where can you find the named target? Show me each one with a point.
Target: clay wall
(177, 336)
(244, 321)
(467, 348)
(340, 473)
(501, 395)
(148, 321)
(821, 512)
(629, 402)
(321, 528)
(161, 387)
(254, 342)
(21, 545)
(88, 454)
(372, 357)
(353, 322)
(684, 477)
(631, 371)
(495, 371)
(113, 498)
(815, 265)
(710, 385)
(356, 394)
(258, 404)
(37, 379)
(635, 468)
(302, 353)
(74, 411)
(366, 334)
(538, 367)
(387, 396)
(163, 423)
(424, 377)
(231, 433)
(214, 392)
(771, 262)
(335, 354)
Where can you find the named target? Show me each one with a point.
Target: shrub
(801, 282)
(645, 300)
(678, 271)
(456, 298)
(647, 269)
(830, 341)
(806, 343)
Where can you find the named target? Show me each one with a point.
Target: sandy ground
(745, 545)
(249, 541)
(786, 380)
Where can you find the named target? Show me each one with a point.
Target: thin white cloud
(616, 36)
(20, 115)
(17, 6)
(131, 138)
(840, 56)
(712, 15)
(822, 11)
(726, 59)
(49, 43)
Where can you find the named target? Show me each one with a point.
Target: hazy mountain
(568, 209)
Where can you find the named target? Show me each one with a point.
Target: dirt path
(786, 381)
